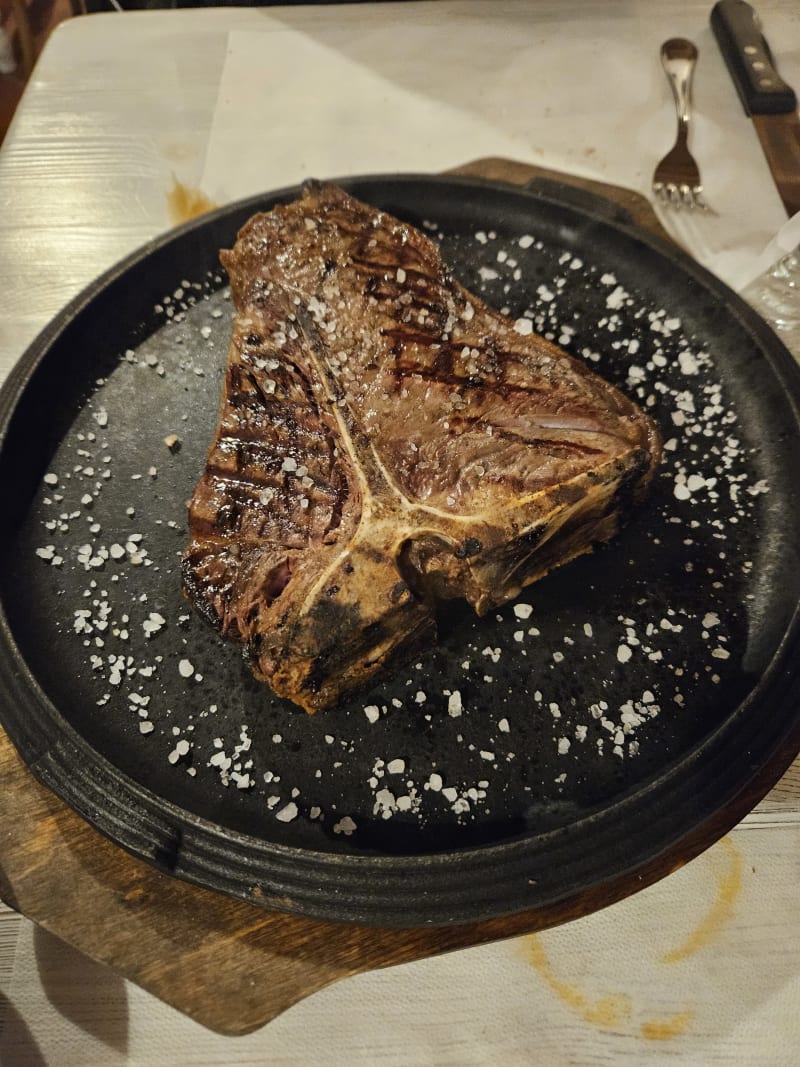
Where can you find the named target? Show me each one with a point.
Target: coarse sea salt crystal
(385, 803)
(185, 668)
(181, 749)
(288, 812)
(153, 623)
(523, 611)
(616, 299)
(396, 766)
(344, 826)
(623, 653)
(372, 711)
(523, 326)
(454, 704)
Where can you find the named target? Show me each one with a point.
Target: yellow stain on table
(612, 1011)
(666, 1029)
(608, 1012)
(721, 911)
(184, 202)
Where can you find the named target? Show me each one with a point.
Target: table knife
(767, 99)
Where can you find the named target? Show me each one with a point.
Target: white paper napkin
(441, 86)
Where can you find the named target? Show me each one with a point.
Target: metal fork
(676, 180)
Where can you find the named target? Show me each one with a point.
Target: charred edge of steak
(196, 592)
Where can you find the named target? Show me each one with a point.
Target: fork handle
(678, 57)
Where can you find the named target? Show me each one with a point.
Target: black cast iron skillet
(651, 689)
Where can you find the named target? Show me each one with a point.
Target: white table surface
(703, 967)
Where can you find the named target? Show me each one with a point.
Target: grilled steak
(386, 439)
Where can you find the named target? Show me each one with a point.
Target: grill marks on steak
(385, 439)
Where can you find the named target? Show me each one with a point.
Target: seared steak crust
(385, 439)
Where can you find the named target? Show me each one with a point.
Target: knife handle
(761, 89)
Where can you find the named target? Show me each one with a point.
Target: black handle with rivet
(737, 29)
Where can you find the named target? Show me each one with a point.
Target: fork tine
(700, 201)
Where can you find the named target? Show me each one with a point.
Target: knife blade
(767, 99)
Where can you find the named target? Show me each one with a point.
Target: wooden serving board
(230, 965)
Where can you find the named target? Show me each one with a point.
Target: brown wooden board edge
(227, 964)
(637, 206)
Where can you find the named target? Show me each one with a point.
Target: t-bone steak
(386, 439)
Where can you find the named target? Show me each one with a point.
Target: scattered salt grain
(454, 704)
(181, 749)
(152, 624)
(287, 813)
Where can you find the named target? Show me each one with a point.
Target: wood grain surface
(233, 966)
(229, 965)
